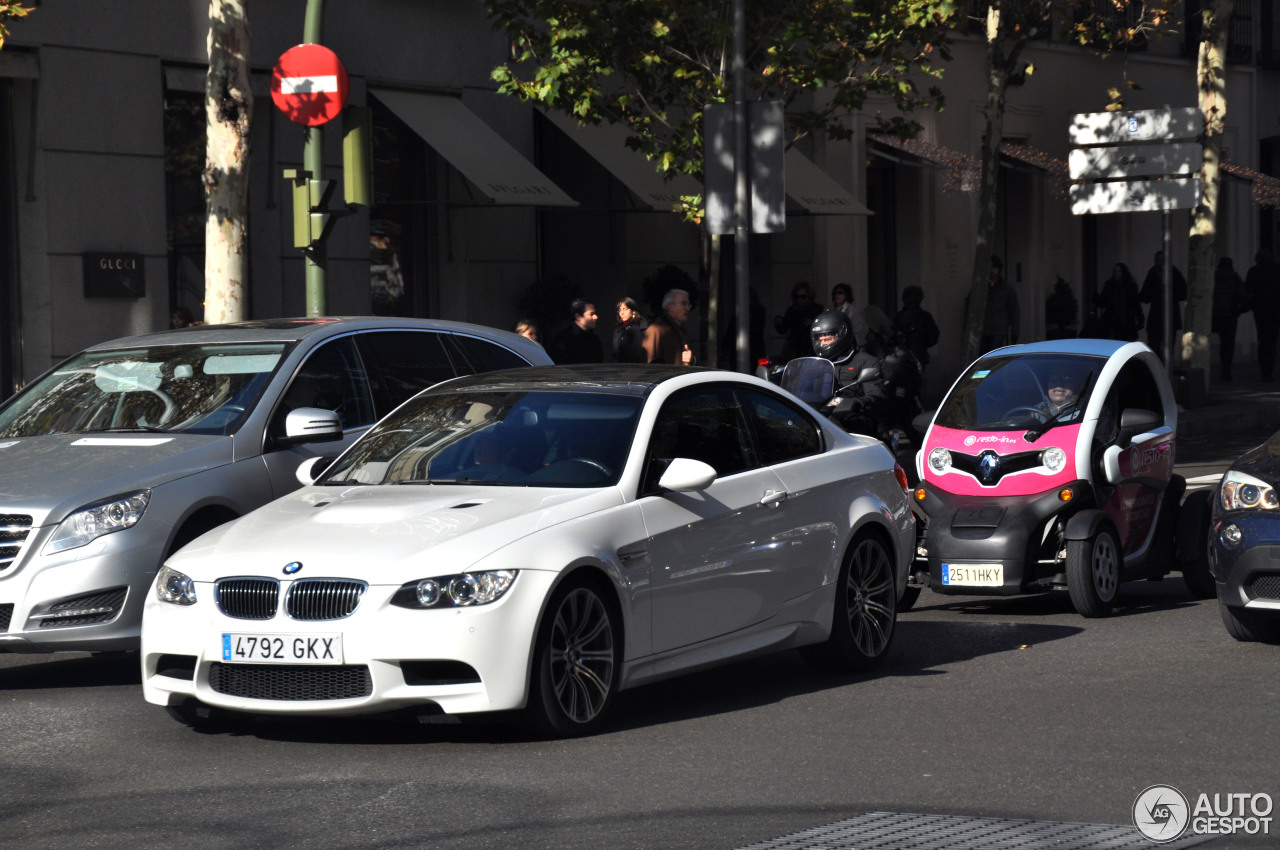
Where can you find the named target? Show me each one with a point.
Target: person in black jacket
(628, 334)
(578, 343)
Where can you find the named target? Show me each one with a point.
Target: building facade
(485, 209)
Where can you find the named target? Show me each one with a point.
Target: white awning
(474, 148)
(816, 191)
(606, 143)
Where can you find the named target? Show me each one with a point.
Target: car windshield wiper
(1036, 433)
(135, 429)
(461, 480)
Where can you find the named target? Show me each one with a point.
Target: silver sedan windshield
(203, 389)
(519, 439)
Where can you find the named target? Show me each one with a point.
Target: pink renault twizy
(1050, 466)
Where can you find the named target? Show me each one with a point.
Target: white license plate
(973, 575)
(281, 649)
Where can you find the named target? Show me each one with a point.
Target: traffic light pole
(313, 165)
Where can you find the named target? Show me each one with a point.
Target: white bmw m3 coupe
(535, 541)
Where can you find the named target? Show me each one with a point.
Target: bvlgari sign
(114, 276)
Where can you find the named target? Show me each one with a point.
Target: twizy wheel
(1093, 573)
(866, 611)
(575, 663)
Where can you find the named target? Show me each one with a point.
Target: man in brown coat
(664, 341)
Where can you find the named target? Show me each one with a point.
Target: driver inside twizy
(1061, 392)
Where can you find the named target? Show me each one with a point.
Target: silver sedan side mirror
(311, 425)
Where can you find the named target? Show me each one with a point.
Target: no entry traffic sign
(309, 84)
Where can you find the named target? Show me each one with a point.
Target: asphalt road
(1010, 708)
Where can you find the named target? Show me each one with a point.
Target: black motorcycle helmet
(837, 324)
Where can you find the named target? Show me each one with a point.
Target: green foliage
(9, 10)
(652, 65)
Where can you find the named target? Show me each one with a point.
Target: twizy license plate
(282, 649)
(973, 575)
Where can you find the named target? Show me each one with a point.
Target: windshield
(513, 439)
(1020, 392)
(201, 389)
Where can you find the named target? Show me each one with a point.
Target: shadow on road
(1136, 597)
(42, 672)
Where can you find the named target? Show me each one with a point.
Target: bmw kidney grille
(305, 599)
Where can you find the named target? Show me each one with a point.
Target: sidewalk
(1245, 403)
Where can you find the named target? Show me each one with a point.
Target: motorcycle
(813, 380)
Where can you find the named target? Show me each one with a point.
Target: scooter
(813, 380)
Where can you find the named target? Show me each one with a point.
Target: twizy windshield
(1020, 392)
(514, 439)
(202, 389)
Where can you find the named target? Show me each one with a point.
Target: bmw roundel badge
(290, 569)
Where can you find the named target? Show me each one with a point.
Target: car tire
(1093, 573)
(576, 659)
(909, 598)
(1248, 626)
(1193, 545)
(866, 610)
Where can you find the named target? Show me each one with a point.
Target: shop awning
(487, 160)
(606, 144)
(815, 191)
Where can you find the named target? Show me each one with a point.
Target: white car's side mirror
(311, 468)
(685, 475)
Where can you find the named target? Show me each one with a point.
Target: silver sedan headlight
(456, 591)
(1241, 492)
(175, 587)
(92, 521)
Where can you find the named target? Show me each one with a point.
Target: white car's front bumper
(392, 657)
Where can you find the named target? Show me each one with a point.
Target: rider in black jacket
(861, 408)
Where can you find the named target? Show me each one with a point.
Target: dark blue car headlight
(1242, 492)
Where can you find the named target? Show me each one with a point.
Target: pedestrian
(1152, 293)
(1000, 316)
(628, 334)
(578, 342)
(794, 323)
(1118, 305)
(919, 330)
(665, 340)
(527, 328)
(1262, 287)
(1228, 303)
(182, 318)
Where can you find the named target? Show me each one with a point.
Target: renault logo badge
(290, 569)
(987, 464)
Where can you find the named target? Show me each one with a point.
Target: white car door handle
(773, 498)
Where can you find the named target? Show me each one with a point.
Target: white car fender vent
(176, 667)
(438, 673)
(897, 830)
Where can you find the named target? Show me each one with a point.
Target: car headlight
(465, 590)
(1241, 492)
(1053, 459)
(173, 586)
(91, 522)
(939, 460)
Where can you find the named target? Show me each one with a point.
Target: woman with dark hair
(628, 334)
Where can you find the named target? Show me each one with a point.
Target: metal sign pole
(1170, 304)
(742, 221)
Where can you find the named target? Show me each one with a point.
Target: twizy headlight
(1241, 492)
(1053, 459)
(939, 460)
(173, 586)
(91, 522)
(456, 591)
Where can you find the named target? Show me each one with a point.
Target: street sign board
(309, 84)
(1144, 125)
(1117, 196)
(1135, 160)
